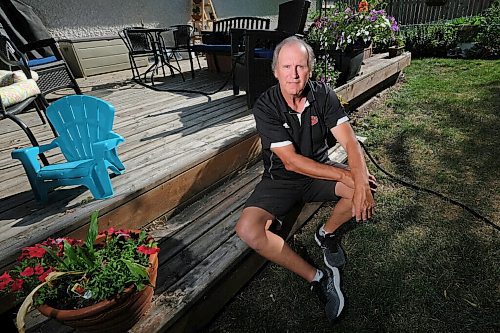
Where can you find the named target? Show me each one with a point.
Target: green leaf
(86, 258)
(93, 230)
(138, 271)
(53, 254)
(70, 254)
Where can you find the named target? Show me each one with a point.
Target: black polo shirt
(278, 123)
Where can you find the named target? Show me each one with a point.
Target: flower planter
(349, 64)
(115, 315)
(368, 52)
(395, 51)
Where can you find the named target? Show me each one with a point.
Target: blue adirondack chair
(84, 124)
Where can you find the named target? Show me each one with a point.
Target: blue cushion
(41, 61)
(263, 53)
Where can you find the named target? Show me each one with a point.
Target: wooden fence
(417, 11)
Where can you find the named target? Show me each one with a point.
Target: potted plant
(324, 70)
(105, 282)
(342, 33)
(398, 47)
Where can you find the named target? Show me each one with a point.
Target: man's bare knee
(251, 228)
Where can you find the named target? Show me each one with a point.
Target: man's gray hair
(293, 39)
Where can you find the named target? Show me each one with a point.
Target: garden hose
(422, 189)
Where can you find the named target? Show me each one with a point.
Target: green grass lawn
(421, 265)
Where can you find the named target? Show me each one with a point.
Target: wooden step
(202, 262)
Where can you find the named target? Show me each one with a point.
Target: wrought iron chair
(140, 43)
(180, 42)
(84, 124)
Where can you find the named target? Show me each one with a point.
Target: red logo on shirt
(314, 120)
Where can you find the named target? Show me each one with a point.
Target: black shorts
(278, 197)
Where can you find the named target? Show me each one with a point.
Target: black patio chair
(9, 109)
(145, 43)
(180, 41)
(53, 71)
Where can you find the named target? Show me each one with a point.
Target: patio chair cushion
(41, 61)
(20, 76)
(212, 48)
(18, 92)
(9, 77)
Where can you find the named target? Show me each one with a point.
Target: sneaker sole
(317, 239)
(336, 283)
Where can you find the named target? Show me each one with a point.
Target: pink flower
(147, 250)
(28, 271)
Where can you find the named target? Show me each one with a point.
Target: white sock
(318, 276)
(322, 231)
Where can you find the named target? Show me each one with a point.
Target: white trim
(342, 120)
(280, 144)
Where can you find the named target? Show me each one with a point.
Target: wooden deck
(177, 146)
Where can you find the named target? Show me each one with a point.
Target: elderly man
(293, 119)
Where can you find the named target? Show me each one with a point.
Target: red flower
(148, 250)
(35, 252)
(42, 277)
(111, 230)
(28, 271)
(363, 6)
(17, 285)
(38, 269)
(5, 279)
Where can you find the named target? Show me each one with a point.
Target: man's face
(292, 69)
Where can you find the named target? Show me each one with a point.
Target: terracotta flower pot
(116, 315)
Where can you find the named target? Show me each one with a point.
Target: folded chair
(84, 124)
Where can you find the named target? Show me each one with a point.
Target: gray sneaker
(329, 293)
(333, 254)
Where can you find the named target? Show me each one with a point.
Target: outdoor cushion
(263, 53)
(18, 92)
(8, 77)
(41, 61)
(20, 76)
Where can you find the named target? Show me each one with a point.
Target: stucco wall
(91, 18)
